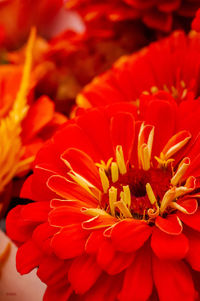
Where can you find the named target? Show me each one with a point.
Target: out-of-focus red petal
(28, 257)
(138, 282)
(83, 273)
(168, 246)
(173, 280)
(70, 241)
(170, 224)
(130, 235)
(40, 113)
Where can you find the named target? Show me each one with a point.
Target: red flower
(156, 14)
(24, 14)
(171, 64)
(196, 21)
(116, 212)
(69, 61)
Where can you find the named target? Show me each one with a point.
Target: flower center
(151, 189)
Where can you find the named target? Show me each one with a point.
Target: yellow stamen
(112, 199)
(120, 160)
(176, 206)
(114, 172)
(127, 195)
(104, 165)
(183, 166)
(162, 162)
(154, 89)
(145, 147)
(151, 194)
(104, 180)
(123, 209)
(168, 197)
(145, 157)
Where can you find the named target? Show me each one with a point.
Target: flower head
(116, 204)
(69, 61)
(161, 16)
(171, 64)
(24, 14)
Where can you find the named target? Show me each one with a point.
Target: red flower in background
(116, 205)
(25, 122)
(17, 17)
(171, 64)
(65, 64)
(160, 15)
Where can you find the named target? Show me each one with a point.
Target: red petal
(192, 220)
(18, 229)
(28, 257)
(138, 282)
(83, 273)
(173, 280)
(106, 288)
(70, 241)
(122, 133)
(66, 215)
(69, 190)
(52, 270)
(194, 249)
(42, 237)
(36, 212)
(130, 235)
(191, 205)
(60, 292)
(93, 242)
(98, 132)
(40, 113)
(167, 246)
(82, 164)
(170, 225)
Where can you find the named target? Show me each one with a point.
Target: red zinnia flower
(18, 16)
(156, 14)
(171, 64)
(116, 213)
(69, 61)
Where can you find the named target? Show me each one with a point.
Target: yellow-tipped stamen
(154, 89)
(175, 148)
(123, 209)
(104, 165)
(162, 162)
(114, 172)
(112, 199)
(145, 147)
(183, 166)
(127, 196)
(104, 180)
(151, 195)
(168, 197)
(145, 158)
(120, 160)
